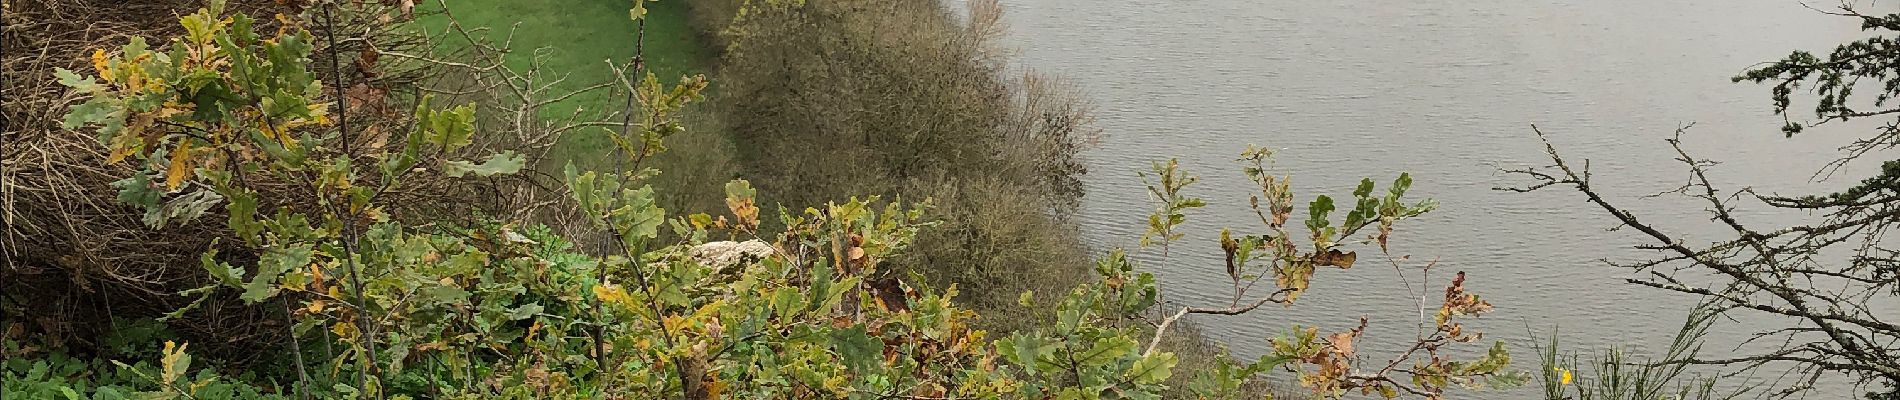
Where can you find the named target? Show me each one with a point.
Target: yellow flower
(1566, 375)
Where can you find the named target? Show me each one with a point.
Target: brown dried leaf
(366, 59)
(1343, 260)
(377, 138)
(362, 96)
(1342, 342)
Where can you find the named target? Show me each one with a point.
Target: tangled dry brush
(73, 257)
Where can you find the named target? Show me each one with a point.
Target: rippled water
(1440, 88)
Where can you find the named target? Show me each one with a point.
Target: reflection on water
(1443, 89)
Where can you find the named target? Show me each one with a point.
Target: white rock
(724, 254)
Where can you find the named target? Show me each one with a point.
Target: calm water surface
(1442, 89)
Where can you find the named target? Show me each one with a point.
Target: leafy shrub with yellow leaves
(383, 308)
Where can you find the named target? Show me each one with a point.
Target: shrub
(838, 98)
(486, 307)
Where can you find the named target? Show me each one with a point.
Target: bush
(490, 307)
(71, 253)
(836, 98)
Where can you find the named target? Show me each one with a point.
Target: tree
(1828, 278)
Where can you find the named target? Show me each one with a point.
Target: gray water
(1443, 89)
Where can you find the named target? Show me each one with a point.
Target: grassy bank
(576, 39)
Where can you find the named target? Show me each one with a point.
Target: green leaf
(305, 325)
(76, 81)
(270, 265)
(138, 190)
(641, 217)
(860, 351)
(1317, 213)
(1270, 361)
(1068, 315)
(96, 111)
(1400, 185)
(186, 208)
(786, 301)
(450, 129)
(525, 311)
(225, 273)
(242, 215)
(503, 163)
(1153, 369)
(582, 185)
(443, 294)
(740, 189)
(1140, 295)
(1106, 350)
(460, 129)
(1025, 351)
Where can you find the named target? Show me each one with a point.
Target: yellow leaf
(316, 306)
(174, 363)
(710, 310)
(171, 108)
(320, 114)
(133, 76)
(344, 330)
(715, 387)
(123, 145)
(673, 323)
(269, 131)
(375, 214)
(118, 154)
(180, 168)
(99, 64)
(609, 293)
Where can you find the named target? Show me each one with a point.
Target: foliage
(58, 376)
(505, 309)
(1328, 365)
(1172, 210)
(71, 250)
(1613, 374)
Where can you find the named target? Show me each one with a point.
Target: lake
(1442, 89)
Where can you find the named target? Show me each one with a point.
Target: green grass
(581, 36)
